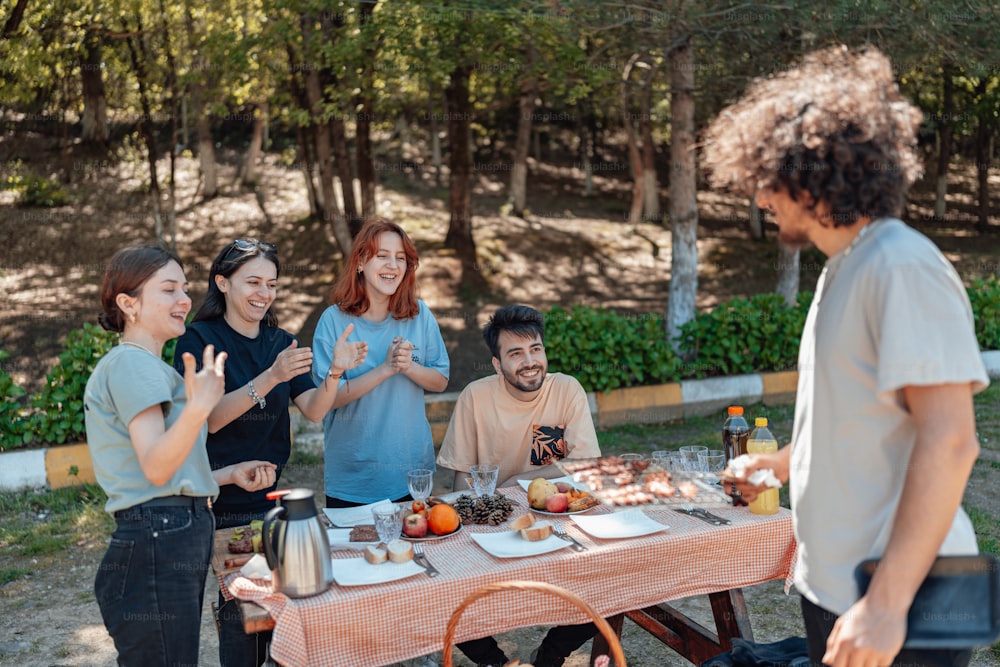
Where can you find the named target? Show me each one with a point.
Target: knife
(714, 520)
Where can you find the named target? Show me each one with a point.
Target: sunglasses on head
(253, 244)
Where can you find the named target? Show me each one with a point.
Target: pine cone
(481, 510)
(463, 505)
(501, 509)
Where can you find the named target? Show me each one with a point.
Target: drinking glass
(388, 522)
(661, 458)
(628, 458)
(690, 454)
(713, 460)
(484, 478)
(420, 481)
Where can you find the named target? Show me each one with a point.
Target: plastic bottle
(762, 442)
(735, 433)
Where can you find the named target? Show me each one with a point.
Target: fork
(421, 559)
(561, 533)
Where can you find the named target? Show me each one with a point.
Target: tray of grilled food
(618, 482)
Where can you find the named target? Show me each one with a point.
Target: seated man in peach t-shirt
(523, 418)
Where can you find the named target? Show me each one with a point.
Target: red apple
(415, 525)
(563, 487)
(557, 502)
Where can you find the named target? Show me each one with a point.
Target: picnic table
(368, 626)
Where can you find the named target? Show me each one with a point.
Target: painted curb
(56, 467)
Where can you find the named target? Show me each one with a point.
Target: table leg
(599, 646)
(732, 620)
(689, 638)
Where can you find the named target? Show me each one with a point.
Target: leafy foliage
(12, 425)
(745, 336)
(985, 297)
(36, 190)
(605, 350)
(58, 407)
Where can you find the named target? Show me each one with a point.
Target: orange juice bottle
(762, 442)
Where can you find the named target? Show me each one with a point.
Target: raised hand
(204, 388)
(347, 354)
(291, 362)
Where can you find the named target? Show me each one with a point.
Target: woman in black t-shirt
(266, 369)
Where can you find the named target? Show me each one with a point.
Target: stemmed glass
(421, 482)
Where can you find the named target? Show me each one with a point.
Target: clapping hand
(400, 355)
(204, 388)
(347, 354)
(291, 362)
(253, 475)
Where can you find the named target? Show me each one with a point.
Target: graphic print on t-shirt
(547, 444)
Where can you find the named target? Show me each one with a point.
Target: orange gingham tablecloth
(369, 626)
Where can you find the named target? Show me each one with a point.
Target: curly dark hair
(519, 320)
(835, 126)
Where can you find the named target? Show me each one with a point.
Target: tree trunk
(984, 141)
(435, 135)
(683, 194)
(255, 147)
(756, 220)
(459, 236)
(168, 50)
(305, 161)
(146, 126)
(340, 232)
(95, 102)
(635, 158)
(944, 141)
(650, 186)
(342, 162)
(203, 122)
(14, 20)
(788, 273)
(522, 144)
(365, 105)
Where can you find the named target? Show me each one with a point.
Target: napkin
(256, 568)
(766, 476)
(346, 517)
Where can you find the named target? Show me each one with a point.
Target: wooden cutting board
(255, 618)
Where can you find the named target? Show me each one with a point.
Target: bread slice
(399, 551)
(583, 503)
(523, 521)
(375, 555)
(537, 531)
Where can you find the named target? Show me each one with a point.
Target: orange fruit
(443, 519)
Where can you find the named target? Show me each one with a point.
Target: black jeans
(236, 647)
(150, 585)
(559, 641)
(819, 624)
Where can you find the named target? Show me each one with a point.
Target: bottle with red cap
(735, 433)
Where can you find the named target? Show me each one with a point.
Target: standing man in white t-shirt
(523, 418)
(884, 437)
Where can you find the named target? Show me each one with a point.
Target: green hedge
(601, 348)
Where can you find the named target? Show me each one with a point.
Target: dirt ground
(571, 249)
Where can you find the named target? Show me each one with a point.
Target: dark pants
(559, 642)
(150, 585)
(819, 624)
(236, 647)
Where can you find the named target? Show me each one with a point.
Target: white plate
(630, 523)
(565, 513)
(509, 544)
(347, 517)
(359, 572)
(340, 538)
(566, 479)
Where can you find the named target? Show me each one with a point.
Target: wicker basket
(602, 625)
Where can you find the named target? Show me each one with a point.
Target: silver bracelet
(255, 397)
